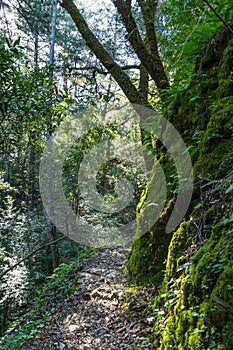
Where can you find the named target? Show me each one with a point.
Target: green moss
(146, 261)
(194, 309)
(197, 301)
(180, 241)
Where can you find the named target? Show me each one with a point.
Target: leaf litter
(105, 312)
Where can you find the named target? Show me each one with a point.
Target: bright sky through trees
(94, 5)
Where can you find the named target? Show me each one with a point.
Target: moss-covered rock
(197, 298)
(203, 115)
(194, 310)
(147, 258)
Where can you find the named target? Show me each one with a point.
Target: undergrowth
(61, 284)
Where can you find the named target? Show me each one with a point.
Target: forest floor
(105, 311)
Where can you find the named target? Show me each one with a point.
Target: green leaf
(214, 134)
(194, 98)
(229, 189)
(188, 149)
(195, 314)
(228, 220)
(212, 344)
(16, 42)
(8, 42)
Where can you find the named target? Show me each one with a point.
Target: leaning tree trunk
(147, 53)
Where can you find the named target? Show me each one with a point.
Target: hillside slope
(195, 308)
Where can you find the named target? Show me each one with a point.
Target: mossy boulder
(196, 298)
(194, 309)
(203, 114)
(147, 258)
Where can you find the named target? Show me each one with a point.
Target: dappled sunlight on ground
(103, 313)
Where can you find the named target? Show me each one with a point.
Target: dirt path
(103, 313)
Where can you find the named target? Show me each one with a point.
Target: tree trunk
(150, 58)
(31, 173)
(107, 61)
(36, 50)
(52, 250)
(53, 32)
(51, 229)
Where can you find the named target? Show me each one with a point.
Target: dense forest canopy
(75, 59)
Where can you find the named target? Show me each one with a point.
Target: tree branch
(100, 71)
(29, 255)
(144, 82)
(150, 59)
(219, 16)
(148, 9)
(107, 61)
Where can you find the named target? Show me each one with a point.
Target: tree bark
(147, 52)
(151, 62)
(36, 50)
(150, 58)
(149, 9)
(53, 32)
(31, 172)
(107, 61)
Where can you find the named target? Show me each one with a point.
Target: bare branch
(100, 71)
(150, 59)
(107, 61)
(29, 255)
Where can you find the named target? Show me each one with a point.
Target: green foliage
(188, 25)
(27, 102)
(29, 110)
(146, 261)
(18, 236)
(194, 307)
(106, 179)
